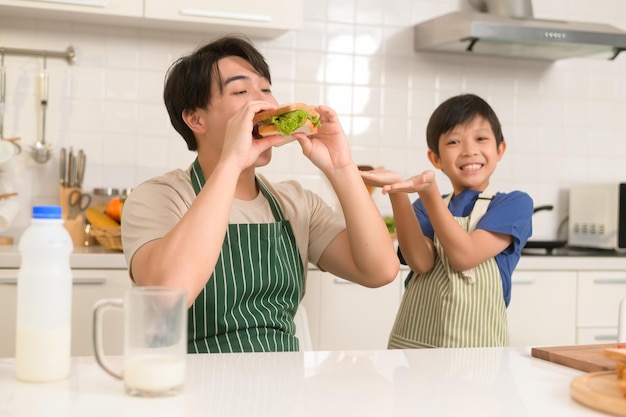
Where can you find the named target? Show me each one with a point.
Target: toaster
(597, 216)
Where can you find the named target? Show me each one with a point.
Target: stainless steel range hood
(494, 34)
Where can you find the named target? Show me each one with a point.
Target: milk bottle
(44, 299)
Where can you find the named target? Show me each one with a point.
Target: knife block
(75, 226)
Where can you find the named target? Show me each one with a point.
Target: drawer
(90, 285)
(593, 335)
(542, 310)
(599, 296)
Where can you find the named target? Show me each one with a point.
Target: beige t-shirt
(156, 206)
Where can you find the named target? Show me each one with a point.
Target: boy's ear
(501, 149)
(194, 121)
(434, 159)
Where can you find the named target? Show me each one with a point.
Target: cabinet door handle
(525, 281)
(610, 337)
(609, 281)
(75, 281)
(225, 15)
(86, 3)
(89, 281)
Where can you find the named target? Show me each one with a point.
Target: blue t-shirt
(508, 213)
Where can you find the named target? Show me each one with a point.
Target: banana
(99, 219)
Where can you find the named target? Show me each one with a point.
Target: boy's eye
(267, 90)
(240, 92)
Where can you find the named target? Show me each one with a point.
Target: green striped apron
(249, 303)
(448, 308)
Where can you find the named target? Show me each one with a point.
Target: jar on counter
(102, 196)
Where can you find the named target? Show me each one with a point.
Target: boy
(461, 248)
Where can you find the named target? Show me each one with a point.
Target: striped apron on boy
(448, 308)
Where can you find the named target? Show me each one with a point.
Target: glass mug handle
(98, 311)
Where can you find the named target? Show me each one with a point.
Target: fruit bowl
(109, 237)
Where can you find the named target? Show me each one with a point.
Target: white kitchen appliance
(597, 215)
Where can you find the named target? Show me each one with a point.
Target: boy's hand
(380, 177)
(415, 184)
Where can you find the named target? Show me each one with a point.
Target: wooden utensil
(587, 358)
(599, 390)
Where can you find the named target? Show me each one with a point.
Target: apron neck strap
(198, 181)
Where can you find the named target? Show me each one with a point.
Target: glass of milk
(155, 340)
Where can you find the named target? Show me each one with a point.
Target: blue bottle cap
(47, 212)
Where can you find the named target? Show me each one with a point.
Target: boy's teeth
(470, 167)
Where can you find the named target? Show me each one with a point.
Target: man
(237, 243)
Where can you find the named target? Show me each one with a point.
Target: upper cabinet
(43, 8)
(256, 19)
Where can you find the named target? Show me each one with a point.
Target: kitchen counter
(83, 257)
(572, 259)
(429, 382)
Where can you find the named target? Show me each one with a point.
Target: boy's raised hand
(380, 177)
(421, 182)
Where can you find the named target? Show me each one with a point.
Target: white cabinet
(253, 18)
(542, 310)
(89, 286)
(226, 16)
(61, 8)
(599, 296)
(346, 316)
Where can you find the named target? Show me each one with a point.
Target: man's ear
(194, 121)
(434, 159)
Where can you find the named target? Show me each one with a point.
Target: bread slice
(266, 114)
(619, 354)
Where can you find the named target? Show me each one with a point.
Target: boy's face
(468, 155)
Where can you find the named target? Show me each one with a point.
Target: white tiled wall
(564, 121)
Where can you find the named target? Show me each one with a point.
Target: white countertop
(98, 257)
(83, 257)
(571, 263)
(429, 382)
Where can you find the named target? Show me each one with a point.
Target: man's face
(240, 83)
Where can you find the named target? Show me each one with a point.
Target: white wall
(564, 121)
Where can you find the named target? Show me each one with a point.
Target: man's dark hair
(188, 80)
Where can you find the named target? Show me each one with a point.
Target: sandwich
(286, 120)
(619, 354)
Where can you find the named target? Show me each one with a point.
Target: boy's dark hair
(188, 79)
(459, 110)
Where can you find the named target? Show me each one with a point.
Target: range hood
(497, 35)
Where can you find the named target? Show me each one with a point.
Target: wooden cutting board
(587, 358)
(600, 391)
